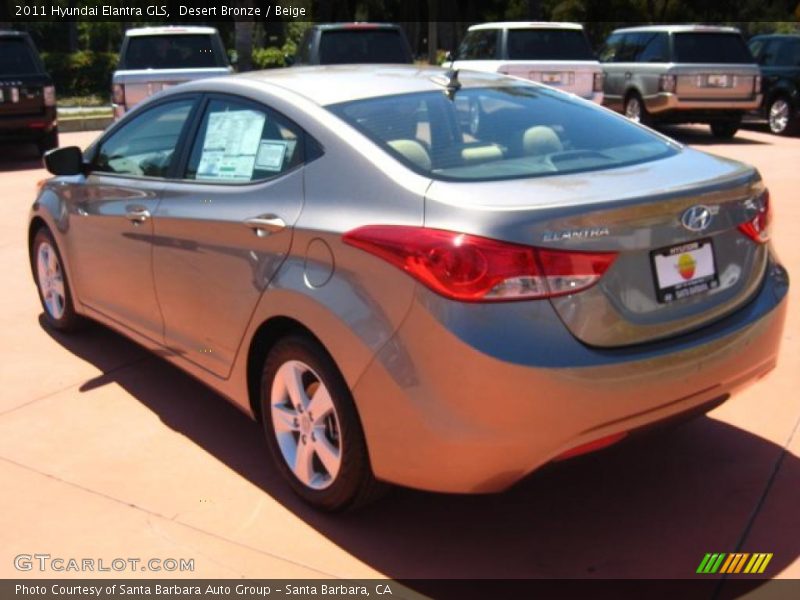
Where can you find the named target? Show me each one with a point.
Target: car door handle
(137, 214)
(263, 225)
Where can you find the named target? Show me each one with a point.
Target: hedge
(268, 58)
(82, 73)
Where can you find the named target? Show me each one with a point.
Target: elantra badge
(696, 218)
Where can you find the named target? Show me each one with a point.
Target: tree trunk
(244, 39)
(433, 38)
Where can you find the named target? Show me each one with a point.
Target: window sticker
(271, 154)
(230, 145)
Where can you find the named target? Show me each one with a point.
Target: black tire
(66, 319)
(48, 142)
(724, 129)
(635, 109)
(354, 485)
(781, 117)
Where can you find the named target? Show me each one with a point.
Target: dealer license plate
(684, 270)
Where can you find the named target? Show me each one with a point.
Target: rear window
(17, 58)
(349, 46)
(727, 48)
(548, 44)
(182, 51)
(498, 133)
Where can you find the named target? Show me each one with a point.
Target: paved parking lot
(108, 452)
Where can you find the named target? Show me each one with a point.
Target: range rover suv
(155, 58)
(779, 57)
(556, 54)
(27, 94)
(681, 74)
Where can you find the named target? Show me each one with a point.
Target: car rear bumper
(473, 397)
(27, 127)
(664, 103)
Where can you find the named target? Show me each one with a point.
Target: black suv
(779, 57)
(352, 43)
(27, 95)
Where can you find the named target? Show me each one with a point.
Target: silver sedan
(408, 275)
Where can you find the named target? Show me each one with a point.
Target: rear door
(223, 229)
(111, 229)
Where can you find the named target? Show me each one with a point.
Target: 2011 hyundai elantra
(432, 278)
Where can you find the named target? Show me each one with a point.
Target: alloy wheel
(779, 112)
(51, 280)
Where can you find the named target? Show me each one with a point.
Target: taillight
(118, 94)
(667, 83)
(471, 268)
(758, 228)
(49, 95)
(599, 78)
(757, 84)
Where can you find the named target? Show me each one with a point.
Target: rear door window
(356, 46)
(652, 48)
(241, 142)
(479, 45)
(17, 58)
(707, 47)
(179, 51)
(548, 44)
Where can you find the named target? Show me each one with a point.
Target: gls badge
(696, 218)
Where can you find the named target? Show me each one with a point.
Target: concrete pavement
(108, 452)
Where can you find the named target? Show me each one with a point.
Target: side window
(788, 54)
(631, 47)
(238, 142)
(769, 54)
(755, 47)
(479, 45)
(653, 48)
(611, 48)
(144, 146)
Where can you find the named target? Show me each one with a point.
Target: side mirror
(288, 60)
(64, 161)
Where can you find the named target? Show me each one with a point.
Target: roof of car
(356, 25)
(696, 28)
(789, 36)
(526, 25)
(170, 30)
(332, 84)
(11, 33)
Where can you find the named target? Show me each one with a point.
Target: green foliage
(82, 73)
(268, 58)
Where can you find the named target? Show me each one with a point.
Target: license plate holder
(684, 270)
(552, 77)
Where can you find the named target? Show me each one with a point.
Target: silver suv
(681, 74)
(556, 54)
(155, 58)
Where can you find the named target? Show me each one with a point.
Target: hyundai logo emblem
(696, 218)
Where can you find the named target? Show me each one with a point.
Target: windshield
(16, 58)
(500, 133)
(181, 51)
(728, 48)
(345, 46)
(548, 44)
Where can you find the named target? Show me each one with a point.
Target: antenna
(453, 84)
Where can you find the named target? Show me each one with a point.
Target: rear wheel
(635, 109)
(725, 129)
(48, 142)
(780, 117)
(51, 282)
(312, 427)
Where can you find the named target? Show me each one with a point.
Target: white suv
(556, 54)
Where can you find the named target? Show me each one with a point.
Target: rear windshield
(16, 58)
(362, 46)
(497, 133)
(711, 48)
(182, 51)
(548, 44)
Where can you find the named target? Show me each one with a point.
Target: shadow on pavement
(19, 157)
(648, 508)
(697, 136)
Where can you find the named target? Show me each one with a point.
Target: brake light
(49, 95)
(599, 78)
(758, 228)
(667, 83)
(471, 268)
(118, 94)
(592, 446)
(757, 84)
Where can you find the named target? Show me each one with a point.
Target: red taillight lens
(599, 79)
(758, 228)
(49, 95)
(471, 268)
(118, 94)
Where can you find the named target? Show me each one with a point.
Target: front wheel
(724, 129)
(312, 427)
(52, 284)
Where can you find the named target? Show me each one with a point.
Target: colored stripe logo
(738, 562)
